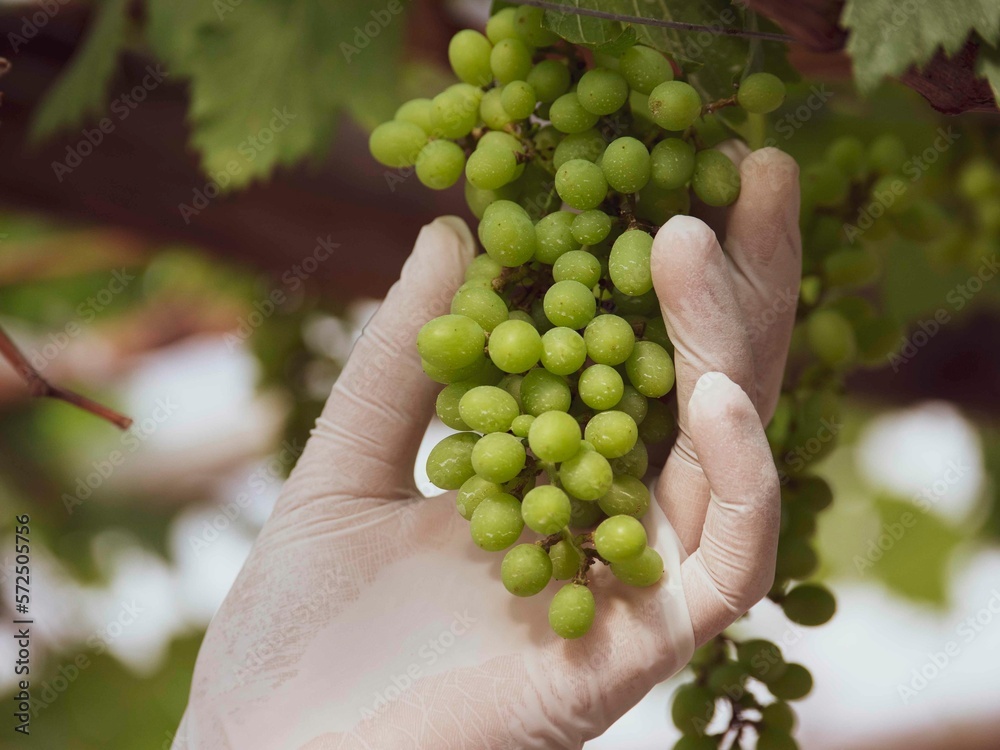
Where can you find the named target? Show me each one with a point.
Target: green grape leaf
(715, 62)
(268, 80)
(916, 546)
(616, 47)
(82, 90)
(887, 37)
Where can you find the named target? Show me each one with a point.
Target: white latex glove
(365, 617)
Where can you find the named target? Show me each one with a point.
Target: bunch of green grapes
(555, 357)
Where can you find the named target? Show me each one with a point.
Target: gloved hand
(365, 617)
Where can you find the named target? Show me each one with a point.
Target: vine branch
(641, 21)
(39, 387)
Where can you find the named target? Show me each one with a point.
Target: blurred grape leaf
(716, 61)
(915, 564)
(82, 90)
(887, 37)
(268, 80)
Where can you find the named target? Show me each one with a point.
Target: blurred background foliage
(174, 322)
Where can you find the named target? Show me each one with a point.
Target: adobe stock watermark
(363, 35)
(925, 499)
(957, 298)
(131, 440)
(98, 643)
(938, 661)
(428, 655)
(914, 168)
(292, 280)
(259, 480)
(249, 149)
(797, 458)
(121, 107)
(86, 312)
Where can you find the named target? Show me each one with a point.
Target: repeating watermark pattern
(249, 149)
(131, 440)
(121, 107)
(957, 298)
(938, 661)
(363, 35)
(914, 168)
(925, 499)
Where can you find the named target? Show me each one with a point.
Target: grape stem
(718, 104)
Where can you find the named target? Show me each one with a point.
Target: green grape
(469, 56)
(570, 304)
(778, 716)
(609, 339)
(546, 509)
(571, 612)
(601, 387)
(796, 559)
(482, 305)
(521, 425)
(549, 79)
(634, 463)
(502, 25)
(584, 514)
(487, 408)
(887, 154)
(541, 391)
(472, 492)
(581, 184)
(824, 185)
(658, 206)
(644, 68)
(693, 708)
(772, 739)
(498, 457)
(512, 384)
(479, 200)
(760, 93)
(491, 167)
(417, 111)
(396, 143)
(449, 463)
(591, 227)
(629, 262)
(510, 60)
(565, 560)
(650, 369)
(446, 405)
(587, 145)
(496, 522)
(440, 164)
(586, 476)
(716, 180)
(568, 115)
(602, 91)
(554, 437)
(451, 342)
(762, 659)
(526, 569)
(620, 538)
(830, 337)
(659, 423)
(643, 570)
(612, 433)
(655, 330)
(628, 496)
(528, 22)
(626, 165)
(793, 685)
(809, 604)
(674, 105)
(563, 350)
(554, 237)
(447, 375)
(492, 111)
(696, 742)
(546, 141)
(455, 110)
(978, 180)
(518, 99)
(577, 265)
(671, 163)
(847, 153)
(507, 233)
(728, 679)
(850, 267)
